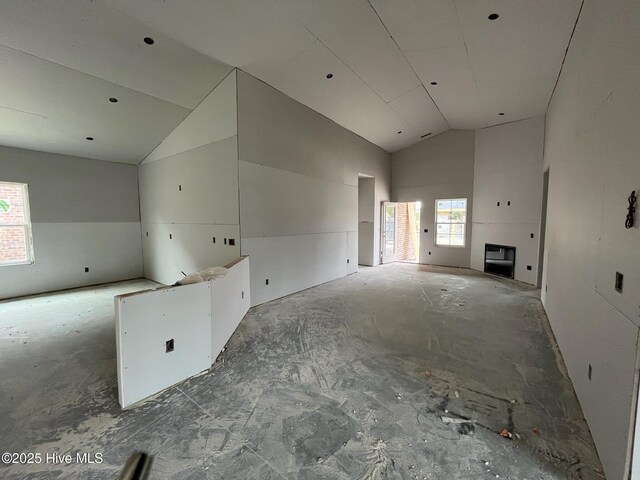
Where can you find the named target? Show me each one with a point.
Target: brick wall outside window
(14, 238)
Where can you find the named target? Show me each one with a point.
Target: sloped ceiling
(62, 59)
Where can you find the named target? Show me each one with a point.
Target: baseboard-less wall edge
(62, 290)
(230, 302)
(167, 335)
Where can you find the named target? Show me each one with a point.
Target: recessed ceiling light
(113, 100)
(90, 138)
(493, 16)
(399, 132)
(149, 40)
(329, 75)
(425, 135)
(434, 83)
(501, 113)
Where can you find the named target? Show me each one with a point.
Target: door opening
(543, 227)
(401, 232)
(389, 232)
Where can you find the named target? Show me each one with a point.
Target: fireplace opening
(499, 260)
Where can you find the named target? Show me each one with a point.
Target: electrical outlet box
(619, 282)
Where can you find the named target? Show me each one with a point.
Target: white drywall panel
(366, 244)
(418, 110)
(293, 263)
(111, 250)
(299, 177)
(70, 189)
(447, 158)
(366, 218)
(230, 301)
(519, 191)
(364, 158)
(508, 171)
(145, 321)
(436, 168)
(279, 132)
(97, 39)
(84, 213)
(592, 147)
(359, 39)
(277, 202)
(195, 186)
(123, 131)
(215, 118)
(366, 203)
(170, 249)
(352, 252)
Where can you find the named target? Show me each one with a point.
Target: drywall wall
(189, 191)
(145, 322)
(230, 301)
(299, 192)
(592, 149)
(84, 214)
(436, 168)
(507, 193)
(366, 220)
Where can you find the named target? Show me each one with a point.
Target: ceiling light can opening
(493, 16)
(329, 75)
(425, 135)
(501, 113)
(113, 100)
(89, 138)
(434, 83)
(149, 40)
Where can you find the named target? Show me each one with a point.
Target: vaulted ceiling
(401, 69)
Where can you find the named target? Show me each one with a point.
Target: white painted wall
(593, 150)
(299, 192)
(84, 214)
(508, 169)
(189, 191)
(439, 167)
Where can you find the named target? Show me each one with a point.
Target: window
(451, 219)
(16, 246)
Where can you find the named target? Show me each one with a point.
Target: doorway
(401, 232)
(543, 227)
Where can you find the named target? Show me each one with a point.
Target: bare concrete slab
(399, 371)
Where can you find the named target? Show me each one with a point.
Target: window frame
(436, 223)
(26, 225)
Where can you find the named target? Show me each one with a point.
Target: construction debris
(506, 434)
(452, 420)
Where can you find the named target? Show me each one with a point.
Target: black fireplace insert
(499, 259)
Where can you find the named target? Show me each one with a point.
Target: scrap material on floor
(404, 372)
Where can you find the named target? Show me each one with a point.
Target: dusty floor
(354, 379)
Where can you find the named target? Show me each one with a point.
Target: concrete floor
(348, 380)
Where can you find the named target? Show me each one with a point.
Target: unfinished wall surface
(508, 171)
(163, 337)
(366, 221)
(84, 215)
(437, 168)
(593, 150)
(299, 192)
(189, 191)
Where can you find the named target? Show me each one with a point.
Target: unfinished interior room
(319, 239)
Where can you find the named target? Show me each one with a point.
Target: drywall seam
(190, 111)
